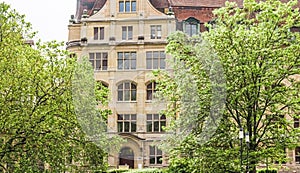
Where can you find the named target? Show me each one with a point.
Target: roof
(203, 3)
(89, 5)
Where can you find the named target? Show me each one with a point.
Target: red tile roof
(203, 3)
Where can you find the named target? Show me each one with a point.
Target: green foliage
(260, 60)
(267, 171)
(38, 125)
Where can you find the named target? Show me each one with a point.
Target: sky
(49, 17)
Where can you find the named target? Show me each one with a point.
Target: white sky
(49, 17)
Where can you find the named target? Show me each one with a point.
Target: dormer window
(191, 26)
(127, 6)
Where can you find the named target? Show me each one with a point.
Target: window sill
(126, 101)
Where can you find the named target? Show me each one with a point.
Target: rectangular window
(126, 122)
(191, 29)
(155, 31)
(155, 122)
(127, 6)
(296, 122)
(297, 155)
(99, 60)
(121, 6)
(98, 33)
(126, 60)
(155, 155)
(155, 60)
(127, 32)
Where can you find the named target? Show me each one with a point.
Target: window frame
(126, 60)
(127, 6)
(99, 33)
(156, 119)
(127, 32)
(122, 122)
(297, 155)
(191, 22)
(150, 90)
(155, 31)
(126, 93)
(102, 60)
(155, 156)
(150, 58)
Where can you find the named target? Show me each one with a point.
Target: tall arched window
(127, 91)
(151, 89)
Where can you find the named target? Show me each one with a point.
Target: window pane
(124, 32)
(133, 60)
(149, 126)
(155, 59)
(163, 117)
(152, 160)
(162, 64)
(149, 116)
(133, 95)
(153, 28)
(133, 117)
(101, 33)
(194, 29)
(188, 29)
(120, 60)
(127, 6)
(104, 61)
(133, 6)
(126, 117)
(121, 6)
(133, 127)
(130, 32)
(120, 95)
(156, 116)
(158, 151)
(127, 86)
(126, 127)
(96, 33)
(133, 87)
(159, 31)
(120, 117)
(91, 55)
(152, 150)
(159, 159)
(126, 60)
(162, 124)
(120, 87)
(149, 94)
(126, 95)
(120, 127)
(98, 65)
(156, 126)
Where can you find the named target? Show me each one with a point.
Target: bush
(267, 171)
(147, 170)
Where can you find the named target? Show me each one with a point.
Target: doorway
(126, 157)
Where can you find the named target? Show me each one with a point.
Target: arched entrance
(126, 157)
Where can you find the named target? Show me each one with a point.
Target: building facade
(125, 41)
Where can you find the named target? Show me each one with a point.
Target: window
(155, 60)
(151, 89)
(191, 26)
(98, 33)
(297, 155)
(155, 122)
(155, 155)
(127, 92)
(126, 122)
(98, 60)
(127, 5)
(296, 122)
(155, 31)
(126, 60)
(127, 32)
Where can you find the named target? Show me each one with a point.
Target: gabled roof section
(89, 5)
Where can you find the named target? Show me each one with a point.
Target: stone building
(125, 40)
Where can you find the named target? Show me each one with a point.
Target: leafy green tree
(39, 128)
(259, 54)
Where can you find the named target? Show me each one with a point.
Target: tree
(38, 125)
(259, 54)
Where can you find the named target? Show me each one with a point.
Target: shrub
(267, 171)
